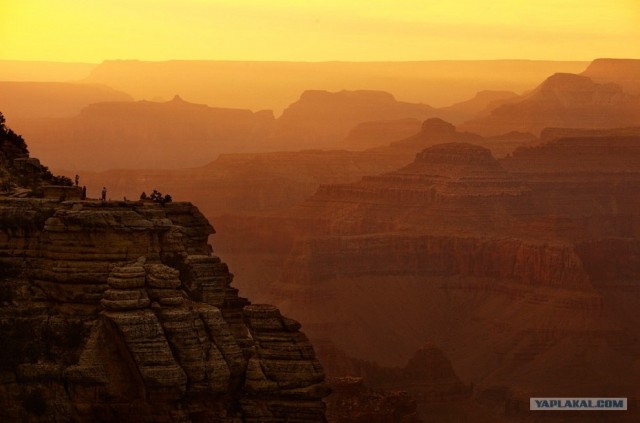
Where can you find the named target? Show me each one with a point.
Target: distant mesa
(37, 70)
(380, 132)
(549, 134)
(434, 131)
(566, 82)
(412, 135)
(322, 119)
(356, 96)
(624, 72)
(29, 100)
(454, 160)
(563, 100)
(457, 154)
(481, 104)
(583, 153)
(273, 85)
(146, 134)
(437, 127)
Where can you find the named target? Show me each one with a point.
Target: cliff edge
(119, 311)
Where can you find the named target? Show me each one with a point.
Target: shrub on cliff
(12, 145)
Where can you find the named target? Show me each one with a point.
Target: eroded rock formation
(119, 311)
(153, 319)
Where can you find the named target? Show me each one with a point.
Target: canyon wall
(119, 311)
(512, 267)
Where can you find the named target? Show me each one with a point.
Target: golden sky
(312, 30)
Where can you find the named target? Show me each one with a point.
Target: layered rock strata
(126, 315)
(521, 270)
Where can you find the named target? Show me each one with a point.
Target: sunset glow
(71, 30)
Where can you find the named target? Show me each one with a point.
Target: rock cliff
(119, 311)
(123, 304)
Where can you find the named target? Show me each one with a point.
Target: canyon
(444, 262)
(521, 270)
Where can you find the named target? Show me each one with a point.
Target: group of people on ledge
(156, 196)
(83, 195)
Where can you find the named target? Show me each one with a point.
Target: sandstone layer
(126, 315)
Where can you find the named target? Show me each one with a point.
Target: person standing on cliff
(84, 193)
(77, 180)
(104, 194)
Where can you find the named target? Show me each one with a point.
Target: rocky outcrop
(128, 316)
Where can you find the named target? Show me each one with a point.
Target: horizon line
(310, 61)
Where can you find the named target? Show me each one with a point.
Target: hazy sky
(93, 30)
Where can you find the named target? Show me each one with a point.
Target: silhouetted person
(83, 196)
(77, 180)
(104, 194)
